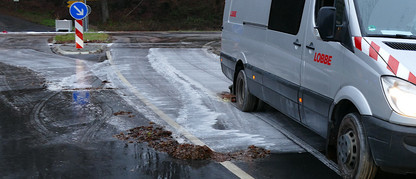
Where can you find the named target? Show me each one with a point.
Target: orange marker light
(221, 59)
(300, 100)
(254, 77)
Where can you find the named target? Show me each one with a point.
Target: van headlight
(401, 95)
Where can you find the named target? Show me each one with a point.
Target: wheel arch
(356, 97)
(238, 66)
(348, 100)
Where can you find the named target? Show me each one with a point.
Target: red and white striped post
(79, 34)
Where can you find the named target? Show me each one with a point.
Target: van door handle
(310, 46)
(297, 43)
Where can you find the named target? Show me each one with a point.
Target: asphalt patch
(161, 140)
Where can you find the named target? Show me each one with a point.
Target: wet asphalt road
(55, 129)
(57, 113)
(51, 134)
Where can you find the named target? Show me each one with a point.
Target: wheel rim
(348, 149)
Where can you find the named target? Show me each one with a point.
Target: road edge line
(227, 164)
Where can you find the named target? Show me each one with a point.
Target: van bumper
(228, 64)
(393, 146)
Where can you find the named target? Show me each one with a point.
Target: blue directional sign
(78, 10)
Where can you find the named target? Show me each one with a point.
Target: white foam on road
(59, 71)
(194, 115)
(184, 85)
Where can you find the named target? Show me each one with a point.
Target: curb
(96, 48)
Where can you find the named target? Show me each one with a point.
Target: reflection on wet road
(53, 134)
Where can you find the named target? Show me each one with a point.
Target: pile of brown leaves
(162, 140)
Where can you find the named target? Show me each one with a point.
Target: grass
(88, 37)
(43, 19)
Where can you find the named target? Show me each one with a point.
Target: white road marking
(227, 164)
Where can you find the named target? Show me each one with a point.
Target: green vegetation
(126, 15)
(88, 37)
(38, 18)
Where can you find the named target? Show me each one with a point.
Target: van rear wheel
(353, 152)
(245, 100)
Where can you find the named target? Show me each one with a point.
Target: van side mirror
(326, 23)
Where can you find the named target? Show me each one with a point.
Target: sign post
(79, 11)
(79, 34)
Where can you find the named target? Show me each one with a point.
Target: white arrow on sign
(80, 12)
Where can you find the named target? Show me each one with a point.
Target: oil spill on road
(161, 140)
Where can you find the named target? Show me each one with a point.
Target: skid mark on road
(228, 165)
(35, 121)
(48, 127)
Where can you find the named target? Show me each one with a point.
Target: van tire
(353, 152)
(246, 102)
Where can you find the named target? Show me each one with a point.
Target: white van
(343, 68)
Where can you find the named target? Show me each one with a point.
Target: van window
(340, 14)
(286, 15)
(387, 18)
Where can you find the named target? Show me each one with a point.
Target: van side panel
(364, 73)
(281, 94)
(227, 61)
(231, 36)
(283, 55)
(243, 36)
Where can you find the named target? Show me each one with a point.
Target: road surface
(59, 113)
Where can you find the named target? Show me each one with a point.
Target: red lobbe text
(323, 58)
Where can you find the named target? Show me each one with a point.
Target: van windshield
(387, 18)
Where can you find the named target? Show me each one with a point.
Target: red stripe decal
(374, 49)
(79, 22)
(393, 65)
(412, 78)
(358, 41)
(79, 34)
(233, 14)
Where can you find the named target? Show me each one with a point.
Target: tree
(105, 14)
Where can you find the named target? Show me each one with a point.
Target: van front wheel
(245, 101)
(353, 152)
